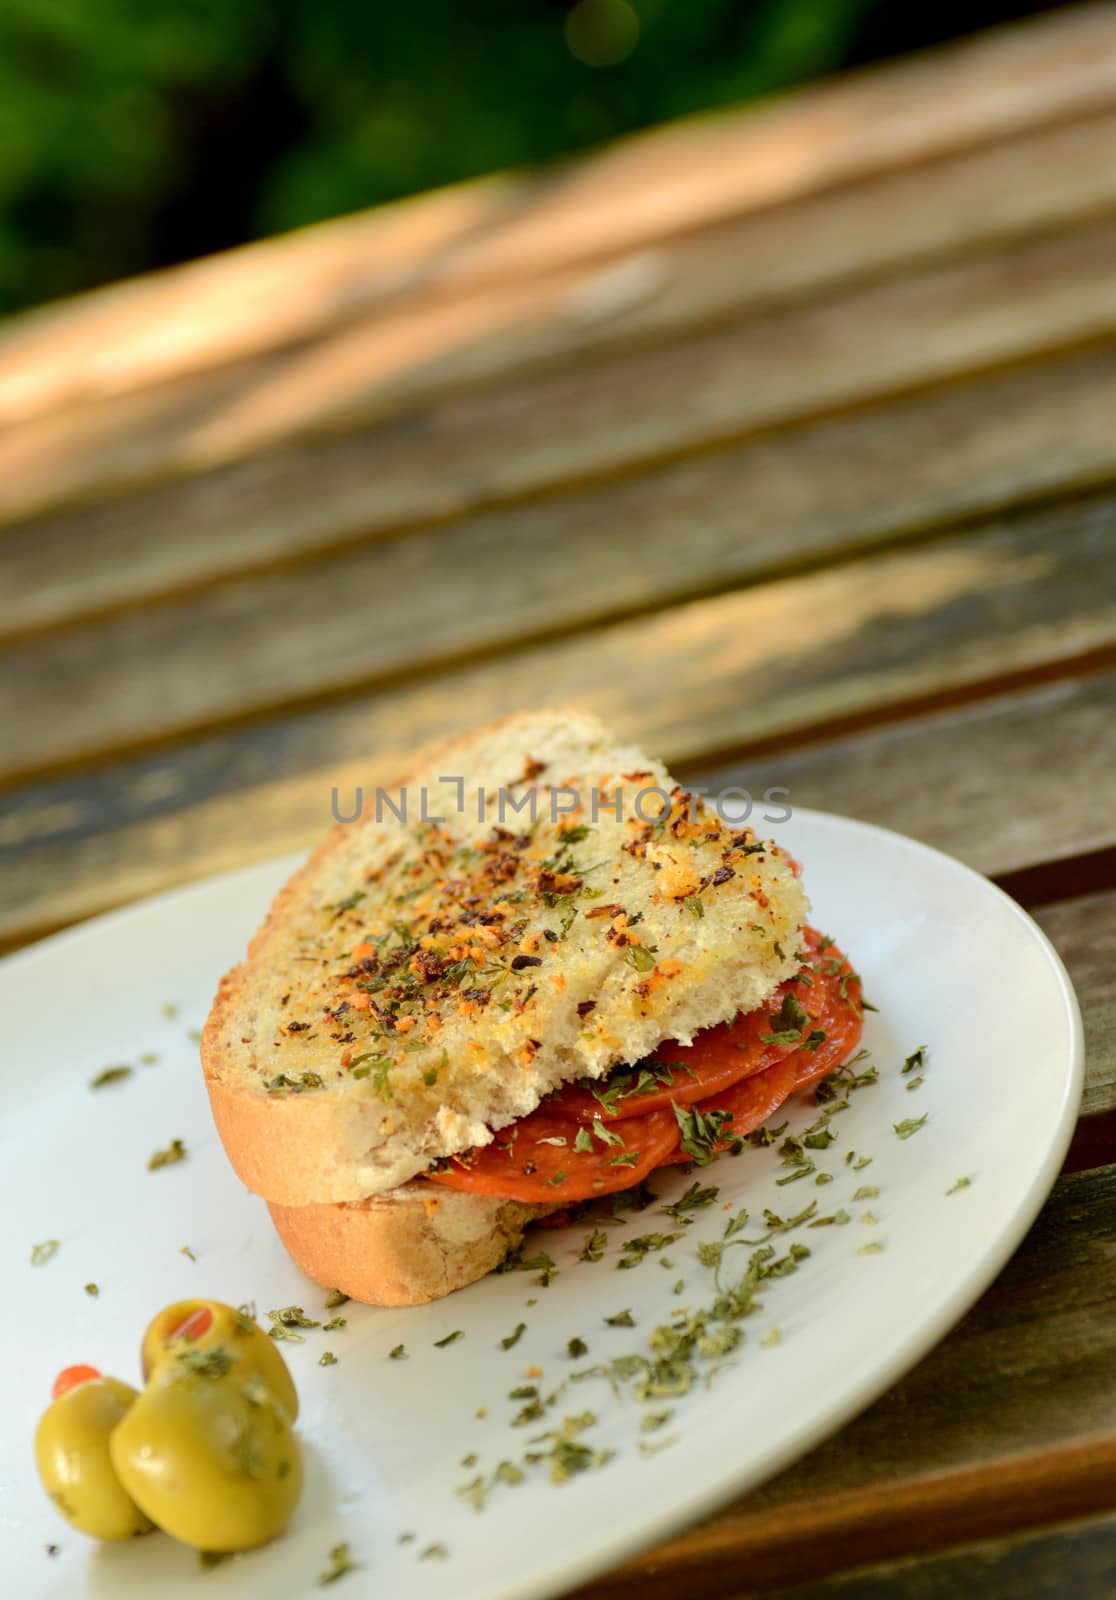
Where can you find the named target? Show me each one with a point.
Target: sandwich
(519, 980)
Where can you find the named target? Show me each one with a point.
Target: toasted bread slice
(420, 982)
(414, 1244)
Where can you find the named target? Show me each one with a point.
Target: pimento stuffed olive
(209, 1453)
(203, 1325)
(73, 1458)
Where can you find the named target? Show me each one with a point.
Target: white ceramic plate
(950, 962)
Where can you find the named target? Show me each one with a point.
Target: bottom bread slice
(413, 1244)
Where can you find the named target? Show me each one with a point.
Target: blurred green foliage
(138, 132)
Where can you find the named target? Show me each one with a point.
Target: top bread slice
(428, 977)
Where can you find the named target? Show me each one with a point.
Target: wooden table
(786, 439)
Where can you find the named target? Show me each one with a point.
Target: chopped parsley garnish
(214, 1363)
(872, 1249)
(335, 1298)
(110, 1075)
(594, 1246)
(175, 1151)
(42, 1253)
(909, 1125)
(532, 1411)
(676, 1352)
(634, 1250)
(626, 1081)
(398, 1354)
(92, 1289)
(513, 1339)
(962, 1183)
(838, 1217)
(280, 1082)
(340, 1562)
(621, 1319)
(540, 1263)
(458, 1333)
(694, 1199)
(378, 1068)
(576, 1348)
(292, 1317)
(479, 1488)
(700, 1132)
(327, 1359)
(788, 1022)
(565, 1453)
(639, 957)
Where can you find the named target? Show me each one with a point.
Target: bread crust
(403, 1249)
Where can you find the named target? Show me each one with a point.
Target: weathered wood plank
(412, 352)
(1005, 783)
(1077, 1558)
(793, 496)
(635, 193)
(965, 779)
(1008, 1424)
(440, 455)
(1027, 595)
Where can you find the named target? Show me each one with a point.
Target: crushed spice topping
(465, 920)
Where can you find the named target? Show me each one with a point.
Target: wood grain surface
(1078, 1558)
(450, 452)
(804, 494)
(780, 437)
(1027, 596)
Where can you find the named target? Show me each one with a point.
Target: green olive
(208, 1324)
(72, 1455)
(209, 1454)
